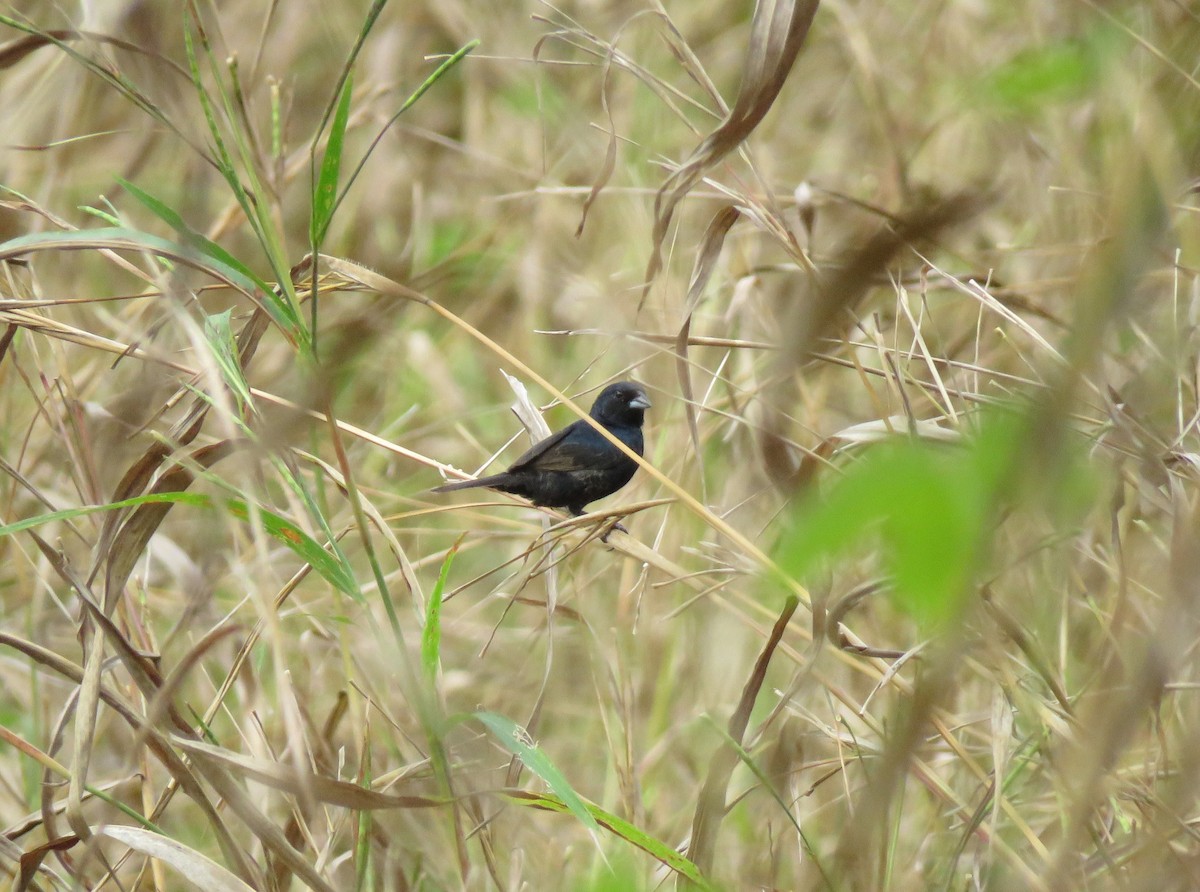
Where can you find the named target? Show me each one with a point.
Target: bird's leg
(579, 512)
(615, 526)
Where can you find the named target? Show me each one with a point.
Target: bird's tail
(471, 484)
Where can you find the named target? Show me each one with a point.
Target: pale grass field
(282, 663)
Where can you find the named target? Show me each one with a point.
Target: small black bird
(577, 465)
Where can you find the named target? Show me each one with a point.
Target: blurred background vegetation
(910, 594)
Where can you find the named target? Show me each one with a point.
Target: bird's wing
(574, 448)
(539, 449)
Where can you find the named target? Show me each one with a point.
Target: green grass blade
(288, 475)
(219, 333)
(431, 635)
(608, 821)
(337, 572)
(458, 55)
(258, 215)
(437, 75)
(190, 236)
(123, 239)
(326, 191)
(331, 565)
(119, 238)
(516, 740)
(223, 160)
(30, 523)
(771, 789)
(368, 24)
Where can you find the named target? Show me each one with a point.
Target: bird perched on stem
(577, 464)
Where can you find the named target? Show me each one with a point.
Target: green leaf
(431, 635)
(439, 72)
(223, 159)
(219, 333)
(325, 195)
(932, 507)
(516, 740)
(336, 572)
(621, 828)
(286, 473)
(931, 530)
(29, 523)
(1033, 76)
(280, 301)
(1040, 76)
(118, 238)
(191, 237)
(122, 239)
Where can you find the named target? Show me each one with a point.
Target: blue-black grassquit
(577, 465)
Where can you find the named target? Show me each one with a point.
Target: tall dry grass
(908, 599)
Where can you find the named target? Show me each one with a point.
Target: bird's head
(624, 403)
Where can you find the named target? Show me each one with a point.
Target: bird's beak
(641, 401)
